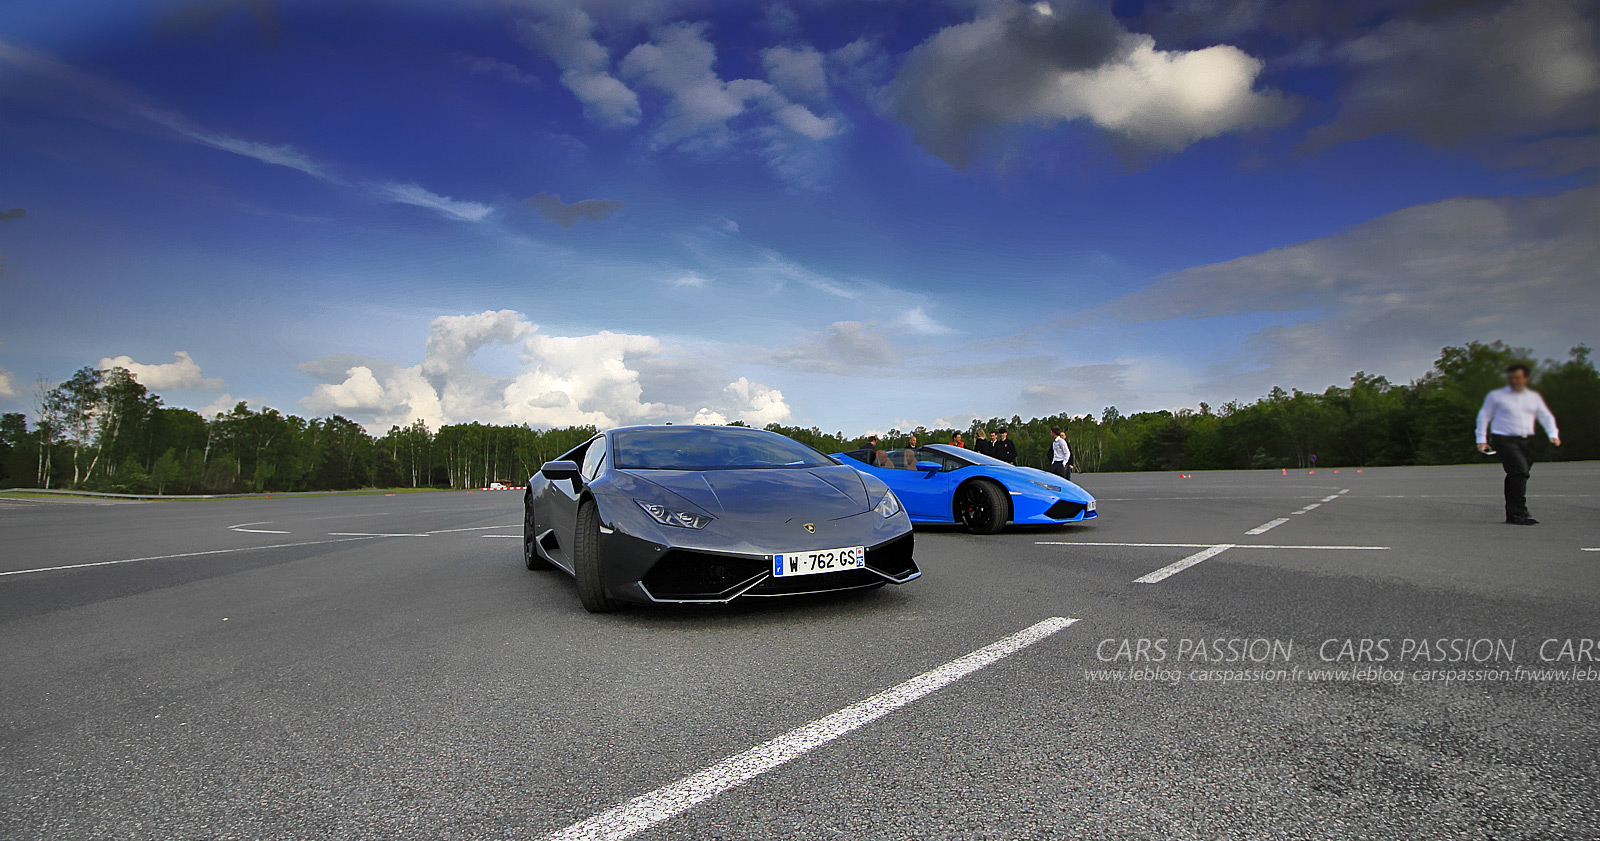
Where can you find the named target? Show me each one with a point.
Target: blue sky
(855, 215)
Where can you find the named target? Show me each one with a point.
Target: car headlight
(673, 517)
(889, 505)
(1048, 487)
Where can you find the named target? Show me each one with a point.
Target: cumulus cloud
(600, 379)
(566, 35)
(1044, 63)
(1490, 70)
(8, 383)
(706, 114)
(796, 71)
(181, 373)
(413, 194)
(1387, 294)
(689, 281)
(566, 215)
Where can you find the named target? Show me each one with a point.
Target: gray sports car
(709, 514)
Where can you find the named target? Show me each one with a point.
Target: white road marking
(1174, 568)
(474, 528)
(1331, 498)
(373, 534)
(1204, 545)
(1595, 549)
(178, 555)
(499, 535)
(1266, 527)
(647, 810)
(241, 528)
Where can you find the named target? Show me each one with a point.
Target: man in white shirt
(1506, 423)
(1060, 454)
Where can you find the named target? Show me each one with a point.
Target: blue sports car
(940, 483)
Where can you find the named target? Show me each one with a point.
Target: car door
(561, 498)
(925, 493)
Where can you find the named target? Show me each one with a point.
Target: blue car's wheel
(982, 506)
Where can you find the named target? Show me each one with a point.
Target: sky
(851, 214)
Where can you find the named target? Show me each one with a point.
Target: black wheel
(982, 507)
(530, 534)
(586, 561)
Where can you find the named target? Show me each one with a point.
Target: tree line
(103, 430)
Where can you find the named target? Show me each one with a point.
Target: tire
(586, 561)
(530, 534)
(982, 506)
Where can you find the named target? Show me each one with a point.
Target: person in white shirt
(1505, 423)
(1060, 454)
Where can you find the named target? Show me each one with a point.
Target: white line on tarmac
(1266, 527)
(499, 535)
(241, 528)
(1174, 568)
(1204, 545)
(1331, 498)
(374, 534)
(474, 528)
(179, 555)
(1595, 549)
(647, 810)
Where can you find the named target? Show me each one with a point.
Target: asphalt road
(383, 667)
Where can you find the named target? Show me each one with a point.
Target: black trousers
(1060, 468)
(1516, 456)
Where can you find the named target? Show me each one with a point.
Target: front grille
(1064, 510)
(684, 574)
(893, 558)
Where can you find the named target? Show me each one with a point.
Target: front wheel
(530, 540)
(982, 507)
(586, 561)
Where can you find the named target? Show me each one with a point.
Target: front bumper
(645, 571)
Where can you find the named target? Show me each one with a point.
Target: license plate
(1090, 506)
(824, 560)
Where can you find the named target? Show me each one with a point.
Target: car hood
(775, 494)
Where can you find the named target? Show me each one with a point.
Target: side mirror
(930, 466)
(555, 471)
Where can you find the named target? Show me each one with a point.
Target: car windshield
(969, 456)
(716, 448)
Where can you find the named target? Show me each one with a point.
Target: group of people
(997, 445)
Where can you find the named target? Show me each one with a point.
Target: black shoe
(1522, 521)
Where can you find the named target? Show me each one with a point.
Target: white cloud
(598, 379)
(1385, 295)
(181, 373)
(689, 281)
(846, 347)
(918, 321)
(126, 100)
(566, 34)
(1490, 70)
(800, 120)
(220, 406)
(705, 114)
(8, 383)
(505, 70)
(797, 72)
(412, 194)
(706, 416)
(1014, 66)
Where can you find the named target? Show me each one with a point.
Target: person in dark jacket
(872, 449)
(1004, 449)
(980, 442)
